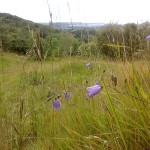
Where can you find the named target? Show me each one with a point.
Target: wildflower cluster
(91, 92)
(57, 103)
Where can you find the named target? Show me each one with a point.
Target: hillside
(16, 30)
(8, 20)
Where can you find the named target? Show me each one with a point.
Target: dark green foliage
(63, 44)
(19, 45)
(129, 38)
(15, 35)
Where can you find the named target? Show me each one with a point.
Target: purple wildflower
(148, 37)
(67, 95)
(56, 104)
(88, 65)
(93, 90)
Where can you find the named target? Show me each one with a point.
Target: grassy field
(117, 118)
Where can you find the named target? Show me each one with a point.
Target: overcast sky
(103, 11)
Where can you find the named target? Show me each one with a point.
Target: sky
(100, 11)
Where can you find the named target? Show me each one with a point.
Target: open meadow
(116, 118)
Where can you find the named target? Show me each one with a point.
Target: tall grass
(117, 118)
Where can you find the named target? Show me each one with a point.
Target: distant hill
(6, 18)
(14, 32)
(11, 21)
(75, 25)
